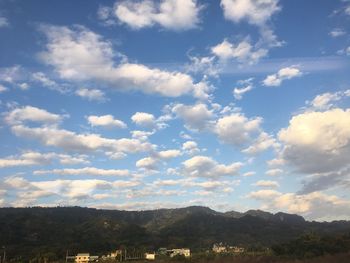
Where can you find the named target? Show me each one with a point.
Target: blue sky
(231, 104)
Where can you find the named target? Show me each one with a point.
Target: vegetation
(45, 234)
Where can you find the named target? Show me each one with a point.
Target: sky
(147, 104)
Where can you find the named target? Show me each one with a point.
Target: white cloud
(168, 154)
(148, 163)
(337, 32)
(3, 88)
(274, 172)
(317, 142)
(4, 22)
(251, 173)
(243, 52)
(47, 82)
(72, 141)
(262, 143)
(190, 147)
(91, 94)
(107, 121)
(203, 166)
(266, 183)
(85, 171)
(32, 114)
(238, 92)
(26, 159)
(196, 117)
(314, 206)
(151, 163)
(275, 80)
(236, 129)
(144, 119)
(170, 14)
(81, 55)
(265, 194)
(325, 101)
(256, 12)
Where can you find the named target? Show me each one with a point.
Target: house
(219, 248)
(82, 258)
(236, 249)
(180, 252)
(150, 256)
(85, 258)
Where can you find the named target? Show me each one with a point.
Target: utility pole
(4, 257)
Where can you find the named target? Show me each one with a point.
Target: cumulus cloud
(67, 140)
(85, 171)
(78, 54)
(107, 121)
(236, 129)
(31, 114)
(190, 147)
(256, 12)
(144, 119)
(261, 143)
(203, 166)
(317, 142)
(275, 80)
(4, 22)
(243, 52)
(30, 158)
(3, 88)
(274, 172)
(152, 162)
(72, 141)
(91, 94)
(337, 32)
(169, 14)
(325, 101)
(267, 183)
(314, 206)
(197, 117)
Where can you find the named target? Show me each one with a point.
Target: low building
(236, 249)
(150, 256)
(219, 248)
(85, 258)
(82, 258)
(180, 252)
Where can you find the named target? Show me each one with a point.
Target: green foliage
(39, 233)
(313, 245)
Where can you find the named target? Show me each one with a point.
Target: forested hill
(29, 231)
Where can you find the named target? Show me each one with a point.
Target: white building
(150, 256)
(82, 258)
(180, 252)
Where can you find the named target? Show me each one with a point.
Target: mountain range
(37, 230)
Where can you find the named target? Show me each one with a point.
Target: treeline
(313, 245)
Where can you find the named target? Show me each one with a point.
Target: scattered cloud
(337, 32)
(31, 114)
(4, 22)
(170, 14)
(3, 88)
(203, 166)
(302, 147)
(96, 58)
(266, 183)
(107, 121)
(275, 80)
(243, 52)
(91, 94)
(274, 172)
(254, 12)
(85, 171)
